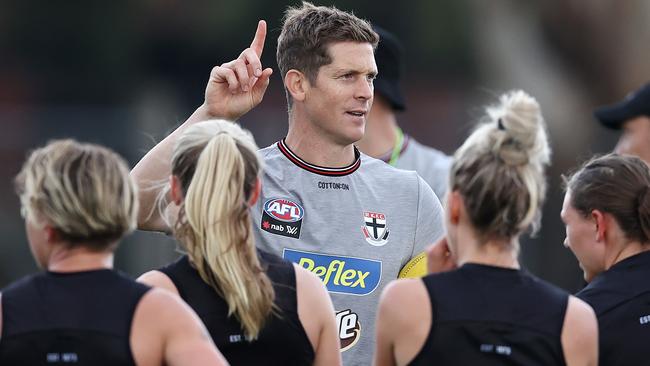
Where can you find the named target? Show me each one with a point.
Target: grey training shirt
(431, 164)
(354, 227)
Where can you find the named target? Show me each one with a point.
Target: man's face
(635, 139)
(337, 104)
(581, 239)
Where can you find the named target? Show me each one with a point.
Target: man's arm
(430, 222)
(429, 228)
(233, 89)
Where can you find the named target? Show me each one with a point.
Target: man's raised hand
(238, 86)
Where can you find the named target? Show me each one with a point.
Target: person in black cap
(383, 139)
(632, 115)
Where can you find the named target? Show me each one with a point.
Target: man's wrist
(205, 113)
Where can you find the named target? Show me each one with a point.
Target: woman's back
(493, 316)
(282, 340)
(79, 317)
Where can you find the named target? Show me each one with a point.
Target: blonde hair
(83, 190)
(499, 170)
(217, 164)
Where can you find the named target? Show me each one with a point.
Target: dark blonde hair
(218, 166)
(499, 170)
(83, 190)
(618, 185)
(308, 31)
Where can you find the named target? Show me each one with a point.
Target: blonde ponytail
(215, 225)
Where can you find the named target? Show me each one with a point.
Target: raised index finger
(260, 35)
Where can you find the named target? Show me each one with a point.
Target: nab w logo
(345, 275)
(282, 217)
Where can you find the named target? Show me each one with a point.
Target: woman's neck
(80, 258)
(629, 249)
(499, 253)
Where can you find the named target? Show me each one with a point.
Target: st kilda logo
(282, 216)
(375, 230)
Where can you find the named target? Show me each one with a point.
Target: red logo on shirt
(375, 230)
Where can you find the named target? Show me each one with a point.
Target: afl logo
(282, 217)
(284, 210)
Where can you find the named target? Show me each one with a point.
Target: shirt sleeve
(430, 226)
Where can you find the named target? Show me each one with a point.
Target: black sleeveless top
(282, 341)
(77, 318)
(485, 315)
(620, 297)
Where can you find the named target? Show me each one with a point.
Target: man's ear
(176, 190)
(255, 194)
(601, 224)
(297, 84)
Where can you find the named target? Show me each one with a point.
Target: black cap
(634, 105)
(388, 56)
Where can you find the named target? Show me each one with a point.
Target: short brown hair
(617, 185)
(307, 32)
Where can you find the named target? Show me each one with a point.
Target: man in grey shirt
(384, 138)
(350, 219)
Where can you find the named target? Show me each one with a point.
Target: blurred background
(125, 73)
